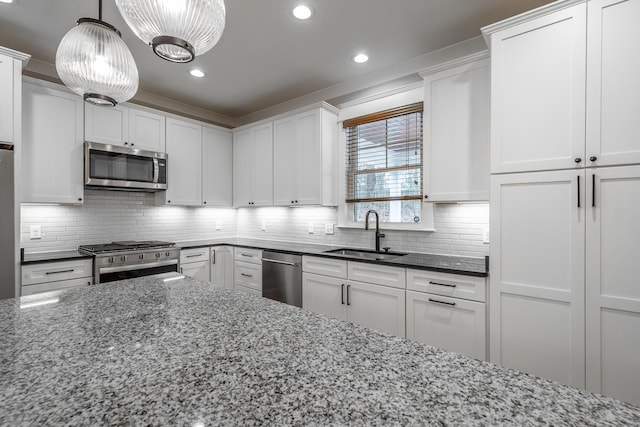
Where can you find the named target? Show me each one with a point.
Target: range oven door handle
(276, 261)
(103, 270)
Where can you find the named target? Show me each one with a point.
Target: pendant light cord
(100, 10)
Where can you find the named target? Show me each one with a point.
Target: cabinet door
(376, 307)
(6, 99)
(537, 274)
(285, 161)
(308, 164)
(106, 125)
(147, 130)
(52, 156)
(538, 93)
(613, 91)
(217, 167)
(448, 323)
(248, 275)
(197, 270)
(243, 171)
(184, 169)
(263, 178)
(456, 136)
(324, 295)
(222, 266)
(613, 294)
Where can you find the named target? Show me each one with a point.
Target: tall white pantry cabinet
(565, 194)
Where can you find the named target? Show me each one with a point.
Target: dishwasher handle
(277, 261)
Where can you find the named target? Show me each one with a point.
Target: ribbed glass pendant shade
(93, 61)
(178, 30)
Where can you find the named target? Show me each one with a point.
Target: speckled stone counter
(184, 352)
(443, 263)
(40, 257)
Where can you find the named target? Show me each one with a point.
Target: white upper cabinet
(127, 126)
(184, 168)
(217, 167)
(7, 87)
(304, 159)
(52, 153)
(456, 131)
(253, 166)
(538, 92)
(613, 87)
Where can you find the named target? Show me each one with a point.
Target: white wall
(108, 216)
(459, 229)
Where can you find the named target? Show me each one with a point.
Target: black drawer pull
(442, 284)
(442, 302)
(60, 271)
(247, 255)
(246, 275)
(193, 256)
(593, 190)
(342, 295)
(348, 300)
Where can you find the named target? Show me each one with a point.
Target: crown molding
(526, 16)
(455, 63)
(20, 56)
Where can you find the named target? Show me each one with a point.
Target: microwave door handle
(156, 170)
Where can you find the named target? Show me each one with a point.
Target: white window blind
(384, 161)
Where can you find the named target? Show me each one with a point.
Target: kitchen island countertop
(154, 351)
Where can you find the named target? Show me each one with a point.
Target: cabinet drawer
(450, 285)
(325, 266)
(55, 286)
(248, 255)
(248, 275)
(448, 323)
(194, 255)
(56, 271)
(377, 274)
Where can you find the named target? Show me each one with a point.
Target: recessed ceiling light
(360, 58)
(196, 73)
(8, 1)
(302, 11)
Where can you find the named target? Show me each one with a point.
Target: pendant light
(94, 62)
(177, 30)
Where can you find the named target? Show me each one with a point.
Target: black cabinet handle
(593, 158)
(578, 190)
(348, 300)
(577, 159)
(79, 199)
(194, 255)
(342, 295)
(60, 271)
(442, 302)
(442, 284)
(593, 190)
(246, 275)
(426, 197)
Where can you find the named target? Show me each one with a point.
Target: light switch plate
(310, 228)
(485, 235)
(328, 228)
(35, 232)
(264, 226)
(218, 225)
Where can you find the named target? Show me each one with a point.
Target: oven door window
(130, 274)
(120, 167)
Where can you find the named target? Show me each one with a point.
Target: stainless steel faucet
(379, 235)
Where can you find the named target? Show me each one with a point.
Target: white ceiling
(266, 57)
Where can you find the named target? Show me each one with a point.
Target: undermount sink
(363, 254)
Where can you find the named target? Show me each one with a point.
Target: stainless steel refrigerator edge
(282, 277)
(7, 223)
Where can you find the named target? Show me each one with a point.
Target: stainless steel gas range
(126, 260)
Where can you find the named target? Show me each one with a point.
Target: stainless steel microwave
(123, 168)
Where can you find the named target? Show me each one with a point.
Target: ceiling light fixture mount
(177, 31)
(94, 62)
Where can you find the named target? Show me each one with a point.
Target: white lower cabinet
(221, 258)
(56, 275)
(375, 306)
(247, 270)
(195, 263)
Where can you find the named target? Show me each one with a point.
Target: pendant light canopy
(177, 30)
(93, 61)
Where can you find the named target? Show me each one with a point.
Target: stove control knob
(110, 259)
(141, 256)
(166, 254)
(158, 254)
(123, 258)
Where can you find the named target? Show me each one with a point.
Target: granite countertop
(40, 257)
(469, 266)
(185, 352)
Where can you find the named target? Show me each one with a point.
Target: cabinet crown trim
(20, 56)
(454, 63)
(489, 30)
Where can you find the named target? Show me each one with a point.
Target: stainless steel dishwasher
(282, 277)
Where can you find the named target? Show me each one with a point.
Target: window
(384, 165)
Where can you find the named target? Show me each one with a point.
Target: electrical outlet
(218, 225)
(264, 226)
(310, 228)
(328, 228)
(485, 235)
(35, 232)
